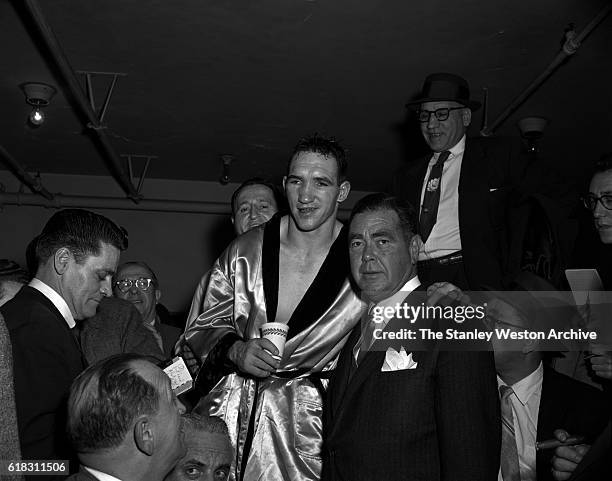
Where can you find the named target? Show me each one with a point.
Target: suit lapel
(371, 363)
(472, 181)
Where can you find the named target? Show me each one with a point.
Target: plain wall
(180, 247)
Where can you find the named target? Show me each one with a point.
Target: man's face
(167, 421)
(84, 285)
(255, 205)
(502, 315)
(144, 301)
(208, 458)
(312, 190)
(601, 184)
(443, 135)
(381, 257)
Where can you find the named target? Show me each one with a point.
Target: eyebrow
(383, 233)
(108, 272)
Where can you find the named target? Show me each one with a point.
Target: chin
(606, 236)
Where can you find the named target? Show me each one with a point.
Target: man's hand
(601, 362)
(566, 458)
(190, 359)
(254, 357)
(444, 294)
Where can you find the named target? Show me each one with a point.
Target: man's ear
(157, 295)
(415, 247)
(466, 117)
(61, 260)
(143, 435)
(345, 188)
(284, 183)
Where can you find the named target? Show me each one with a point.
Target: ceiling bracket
(109, 91)
(141, 178)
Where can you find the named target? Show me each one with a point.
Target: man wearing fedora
(463, 189)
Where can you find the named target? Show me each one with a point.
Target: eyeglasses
(590, 201)
(143, 283)
(441, 114)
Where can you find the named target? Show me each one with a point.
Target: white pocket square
(398, 361)
(493, 189)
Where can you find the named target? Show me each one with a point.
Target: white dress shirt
(392, 301)
(57, 300)
(444, 238)
(100, 475)
(525, 403)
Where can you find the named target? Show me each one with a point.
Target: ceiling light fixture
(532, 130)
(38, 95)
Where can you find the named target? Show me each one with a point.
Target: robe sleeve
(214, 331)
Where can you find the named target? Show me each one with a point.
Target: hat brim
(470, 104)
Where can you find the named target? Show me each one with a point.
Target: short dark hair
(81, 231)
(604, 163)
(142, 264)
(279, 197)
(208, 424)
(327, 147)
(384, 201)
(104, 401)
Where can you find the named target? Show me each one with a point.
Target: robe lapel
(320, 294)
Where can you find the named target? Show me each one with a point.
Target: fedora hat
(445, 87)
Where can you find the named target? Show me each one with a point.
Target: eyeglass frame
(436, 115)
(134, 282)
(596, 200)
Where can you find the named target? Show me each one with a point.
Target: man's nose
(253, 212)
(106, 287)
(432, 121)
(305, 193)
(368, 253)
(599, 210)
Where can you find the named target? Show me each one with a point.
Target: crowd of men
(84, 341)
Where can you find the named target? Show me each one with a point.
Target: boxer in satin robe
(273, 408)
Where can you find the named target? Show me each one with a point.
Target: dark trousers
(430, 272)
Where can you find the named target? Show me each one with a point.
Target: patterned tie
(431, 199)
(509, 453)
(367, 336)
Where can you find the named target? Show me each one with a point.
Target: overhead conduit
(60, 60)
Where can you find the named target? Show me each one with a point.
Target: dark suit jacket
(490, 175)
(46, 359)
(567, 404)
(115, 329)
(439, 421)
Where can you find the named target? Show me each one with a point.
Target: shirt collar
(528, 386)
(100, 475)
(455, 151)
(57, 300)
(400, 295)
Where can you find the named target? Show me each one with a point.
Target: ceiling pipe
(61, 201)
(83, 105)
(18, 171)
(570, 46)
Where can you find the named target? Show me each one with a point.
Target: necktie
(509, 453)
(431, 199)
(367, 336)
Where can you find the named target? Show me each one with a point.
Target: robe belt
(315, 378)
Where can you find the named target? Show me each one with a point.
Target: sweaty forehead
(305, 163)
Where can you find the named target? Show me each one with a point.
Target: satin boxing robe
(276, 421)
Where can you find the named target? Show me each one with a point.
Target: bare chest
(295, 277)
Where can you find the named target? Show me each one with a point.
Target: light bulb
(36, 117)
